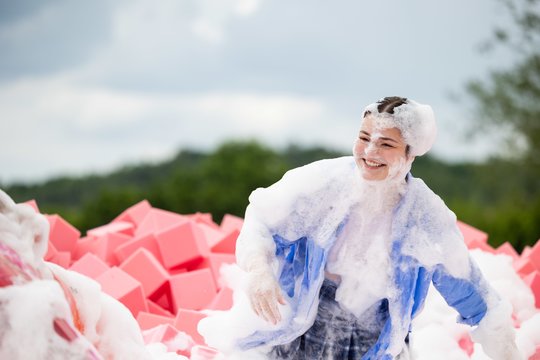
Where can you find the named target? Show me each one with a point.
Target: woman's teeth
(372, 164)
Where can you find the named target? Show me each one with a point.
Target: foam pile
(165, 268)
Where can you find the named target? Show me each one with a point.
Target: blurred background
(193, 104)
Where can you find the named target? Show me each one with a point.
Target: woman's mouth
(373, 164)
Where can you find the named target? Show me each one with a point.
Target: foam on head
(415, 121)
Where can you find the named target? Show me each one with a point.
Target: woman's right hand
(265, 294)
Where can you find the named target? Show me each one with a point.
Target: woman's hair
(387, 104)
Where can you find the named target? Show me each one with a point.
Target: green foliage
(499, 197)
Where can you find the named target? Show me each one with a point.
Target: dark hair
(387, 105)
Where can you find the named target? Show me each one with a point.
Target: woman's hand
(265, 294)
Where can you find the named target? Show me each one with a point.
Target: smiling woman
(339, 254)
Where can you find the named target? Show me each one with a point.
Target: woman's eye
(387, 145)
(363, 138)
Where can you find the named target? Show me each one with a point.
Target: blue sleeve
(467, 296)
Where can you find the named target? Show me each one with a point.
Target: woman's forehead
(372, 127)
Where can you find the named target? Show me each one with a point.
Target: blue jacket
(302, 263)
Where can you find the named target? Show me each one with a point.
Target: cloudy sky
(89, 85)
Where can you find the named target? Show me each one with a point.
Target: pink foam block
(51, 251)
(227, 244)
(62, 234)
(159, 334)
(187, 321)
(471, 233)
(105, 246)
(90, 265)
(526, 251)
(193, 290)
(144, 267)
(212, 235)
(533, 281)
(135, 214)
(223, 300)
(123, 288)
(201, 352)
(524, 266)
(214, 263)
(158, 220)
(122, 227)
(507, 249)
(182, 245)
(231, 222)
(147, 242)
(157, 309)
(147, 320)
(163, 300)
(32, 203)
(204, 218)
(479, 244)
(62, 258)
(536, 355)
(534, 255)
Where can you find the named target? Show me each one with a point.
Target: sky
(88, 86)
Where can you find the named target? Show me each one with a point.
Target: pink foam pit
(534, 255)
(227, 244)
(62, 234)
(90, 265)
(62, 258)
(122, 227)
(157, 310)
(533, 281)
(135, 213)
(471, 234)
(158, 220)
(33, 204)
(148, 320)
(123, 288)
(507, 249)
(144, 267)
(187, 321)
(51, 251)
(214, 263)
(204, 218)
(524, 266)
(147, 242)
(182, 245)
(223, 300)
(193, 290)
(201, 352)
(478, 244)
(231, 222)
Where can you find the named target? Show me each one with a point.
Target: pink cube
(62, 234)
(33, 204)
(90, 265)
(144, 267)
(51, 251)
(135, 214)
(163, 300)
(214, 263)
(223, 300)
(227, 244)
(212, 235)
(157, 310)
(158, 220)
(176, 341)
(123, 288)
(231, 222)
(507, 249)
(524, 266)
(534, 255)
(147, 242)
(201, 352)
(147, 320)
(471, 234)
(122, 227)
(204, 218)
(83, 247)
(533, 281)
(105, 246)
(182, 245)
(187, 321)
(193, 290)
(62, 258)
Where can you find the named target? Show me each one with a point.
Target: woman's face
(379, 152)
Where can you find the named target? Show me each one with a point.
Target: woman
(340, 253)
